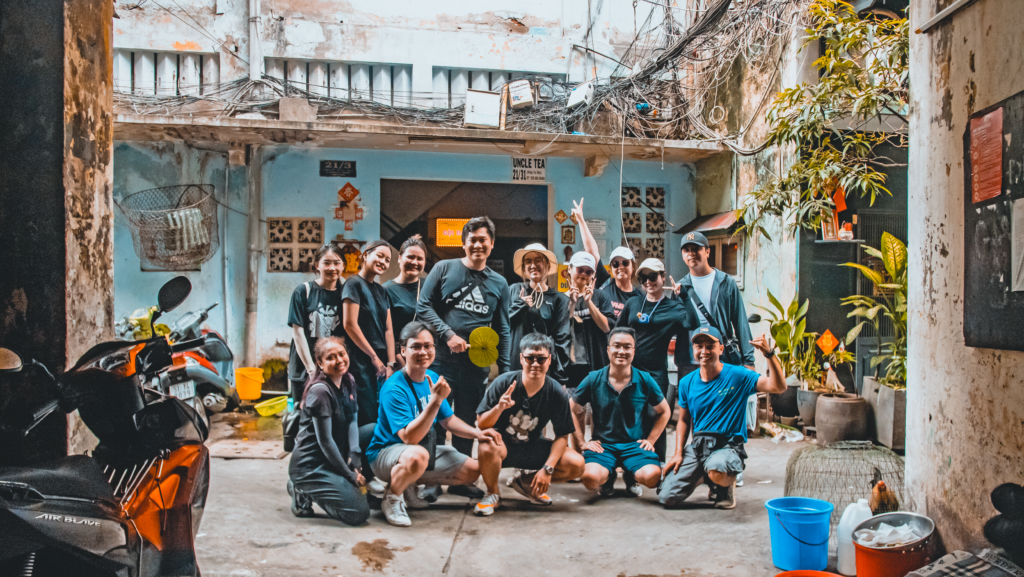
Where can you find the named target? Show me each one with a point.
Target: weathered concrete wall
(532, 35)
(55, 153)
(965, 406)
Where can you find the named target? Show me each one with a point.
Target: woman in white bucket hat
(537, 308)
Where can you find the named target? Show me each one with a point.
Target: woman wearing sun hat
(656, 318)
(538, 308)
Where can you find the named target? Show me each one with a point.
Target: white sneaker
(487, 505)
(376, 487)
(636, 489)
(413, 499)
(393, 507)
(739, 480)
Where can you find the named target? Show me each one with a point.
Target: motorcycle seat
(76, 476)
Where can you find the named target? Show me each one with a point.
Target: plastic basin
(248, 382)
(895, 561)
(272, 406)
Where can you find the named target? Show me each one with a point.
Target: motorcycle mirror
(173, 293)
(10, 361)
(754, 318)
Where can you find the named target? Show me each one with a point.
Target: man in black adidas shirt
(458, 296)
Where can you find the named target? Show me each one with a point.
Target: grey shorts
(446, 465)
(701, 456)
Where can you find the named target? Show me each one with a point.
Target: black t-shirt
(485, 305)
(403, 303)
(322, 400)
(670, 318)
(319, 315)
(618, 416)
(374, 302)
(588, 343)
(525, 420)
(618, 296)
(551, 319)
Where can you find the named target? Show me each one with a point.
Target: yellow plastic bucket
(272, 406)
(248, 381)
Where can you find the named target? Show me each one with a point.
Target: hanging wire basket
(841, 473)
(173, 227)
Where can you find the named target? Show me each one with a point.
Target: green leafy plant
(863, 69)
(787, 329)
(893, 305)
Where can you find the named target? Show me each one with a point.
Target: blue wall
(293, 187)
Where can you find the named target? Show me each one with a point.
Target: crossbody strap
(703, 310)
(416, 397)
(460, 295)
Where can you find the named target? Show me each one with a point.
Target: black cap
(694, 238)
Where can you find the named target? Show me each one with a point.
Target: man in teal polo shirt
(619, 396)
(712, 404)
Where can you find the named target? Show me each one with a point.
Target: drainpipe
(254, 240)
(255, 50)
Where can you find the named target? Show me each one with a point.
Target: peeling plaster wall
(55, 211)
(531, 35)
(143, 166)
(965, 406)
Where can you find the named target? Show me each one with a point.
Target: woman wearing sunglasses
(538, 308)
(656, 318)
(618, 285)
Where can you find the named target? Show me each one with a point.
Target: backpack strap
(306, 284)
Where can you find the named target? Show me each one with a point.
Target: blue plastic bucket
(800, 529)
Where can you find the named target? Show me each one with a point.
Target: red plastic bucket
(894, 561)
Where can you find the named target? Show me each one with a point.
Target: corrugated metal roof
(713, 222)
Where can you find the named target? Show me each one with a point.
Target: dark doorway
(411, 207)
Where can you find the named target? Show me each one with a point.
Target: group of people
(381, 375)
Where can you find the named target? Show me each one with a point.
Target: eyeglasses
(622, 347)
(536, 359)
(648, 277)
(420, 347)
(618, 263)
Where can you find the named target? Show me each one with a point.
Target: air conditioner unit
(582, 94)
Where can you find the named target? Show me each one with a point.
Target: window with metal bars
(149, 73)
(389, 84)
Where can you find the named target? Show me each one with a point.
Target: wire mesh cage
(173, 227)
(841, 473)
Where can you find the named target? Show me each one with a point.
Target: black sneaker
(302, 505)
(726, 497)
(430, 494)
(608, 488)
(470, 491)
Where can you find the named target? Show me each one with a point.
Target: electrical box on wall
(582, 94)
(521, 93)
(483, 109)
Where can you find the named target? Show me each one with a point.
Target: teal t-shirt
(719, 406)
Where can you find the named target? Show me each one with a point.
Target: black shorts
(531, 455)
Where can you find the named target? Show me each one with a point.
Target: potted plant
(887, 394)
(787, 326)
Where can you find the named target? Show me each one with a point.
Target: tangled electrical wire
(671, 82)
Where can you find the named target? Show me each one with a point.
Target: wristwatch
(769, 354)
(393, 365)
(549, 469)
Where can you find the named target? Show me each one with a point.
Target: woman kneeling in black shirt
(325, 463)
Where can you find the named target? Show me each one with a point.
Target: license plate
(184, 390)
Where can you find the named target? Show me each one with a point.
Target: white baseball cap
(582, 258)
(651, 264)
(622, 252)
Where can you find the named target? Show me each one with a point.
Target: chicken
(882, 499)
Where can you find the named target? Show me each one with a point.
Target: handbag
(429, 441)
(732, 345)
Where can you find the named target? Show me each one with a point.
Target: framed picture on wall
(829, 226)
(568, 234)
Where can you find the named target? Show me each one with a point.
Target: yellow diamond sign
(827, 342)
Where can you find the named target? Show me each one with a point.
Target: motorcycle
(206, 378)
(133, 507)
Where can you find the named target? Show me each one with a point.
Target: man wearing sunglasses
(656, 318)
(519, 405)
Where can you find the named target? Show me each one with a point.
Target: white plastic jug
(855, 514)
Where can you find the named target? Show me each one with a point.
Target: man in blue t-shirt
(412, 401)
(712, 404)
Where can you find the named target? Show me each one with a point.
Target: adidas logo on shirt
(474, 303)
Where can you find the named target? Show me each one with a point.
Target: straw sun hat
(517, 259)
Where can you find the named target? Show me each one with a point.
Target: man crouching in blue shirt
(712, 403)
(619, 396)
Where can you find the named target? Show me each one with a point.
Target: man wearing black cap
(712, 404)
(718, 304)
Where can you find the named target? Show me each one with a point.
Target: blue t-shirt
(398, 408)
(721, 405)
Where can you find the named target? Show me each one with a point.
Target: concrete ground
(248, 529)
